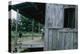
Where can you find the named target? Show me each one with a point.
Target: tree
(25, 24)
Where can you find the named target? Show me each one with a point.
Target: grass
(26, 34)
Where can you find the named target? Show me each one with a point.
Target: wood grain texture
(56, 37)
(60, 40)
(54, 16)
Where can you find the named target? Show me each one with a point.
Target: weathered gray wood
(46, 39)
(54, 19)
(31, 45)
(54, 16)
(75, 40)
(54, 39)
(57, 37)
(61, 40)
(50, 39)
(68, 42)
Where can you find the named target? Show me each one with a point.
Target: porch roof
(31, 10)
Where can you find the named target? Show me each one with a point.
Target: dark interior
(31, 10)
(33, 49)
(69, 18)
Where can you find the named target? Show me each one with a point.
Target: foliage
(25, 24)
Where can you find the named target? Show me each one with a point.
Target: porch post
(32, 28)
(16, 37)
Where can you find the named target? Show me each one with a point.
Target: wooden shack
(60, 23)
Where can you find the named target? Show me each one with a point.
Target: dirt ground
(28, 41)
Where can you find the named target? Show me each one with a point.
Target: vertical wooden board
(54, 16)
(46, 39)
(50, 39)
(65, 41)
(61, 40)
(76, 17)
(75, 40)
(54, 40)
(69, 40)
(47, 16)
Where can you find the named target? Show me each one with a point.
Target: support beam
(39, 27)
(9, 44)
(32, 28)
(16, 37)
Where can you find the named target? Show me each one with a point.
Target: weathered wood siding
(56, 37)
(67, 39)
(54, 16)
(61, 39)
(53, 19)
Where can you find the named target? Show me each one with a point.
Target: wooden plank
(31, 45)
(68, 41)
(50, 39)
(76, 17)
(46, 39)
(67, 30)
(61, 40)
(54, 39)
(75, 40)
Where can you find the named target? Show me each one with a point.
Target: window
(69, 18)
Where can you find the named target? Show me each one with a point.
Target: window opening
(69, 18)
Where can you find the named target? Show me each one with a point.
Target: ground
(27, 41)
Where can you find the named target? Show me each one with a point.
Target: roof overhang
(31, 10)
